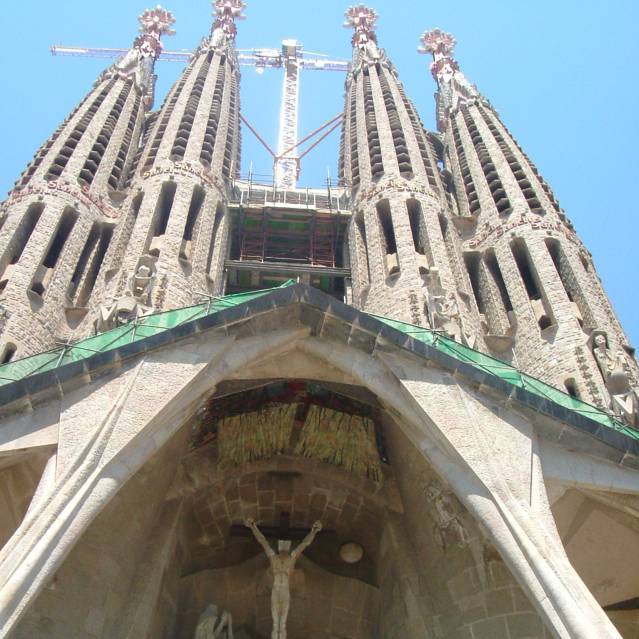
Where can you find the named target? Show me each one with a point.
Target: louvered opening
(190, 111)
(215, 110)
(497, 191)
(62, 159)
(469, 184)
(120, 164)
(167, 111)
(516, 168)
(374, 146)
(397, 132)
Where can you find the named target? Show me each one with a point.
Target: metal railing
(255, 190)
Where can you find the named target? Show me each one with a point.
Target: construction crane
(292, 58)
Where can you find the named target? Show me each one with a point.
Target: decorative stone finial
(364, 20)
(154, 23)
(226, 12)
(441, 45)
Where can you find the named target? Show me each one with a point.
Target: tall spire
(226, 12)
(139, 62)
(363, 20)
(452, 83)
(441, 45)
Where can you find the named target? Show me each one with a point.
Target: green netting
(509, 374)
(117, 337)
(152, 324)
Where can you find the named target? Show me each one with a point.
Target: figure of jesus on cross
(282, 564)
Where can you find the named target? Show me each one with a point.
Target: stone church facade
(421, 359)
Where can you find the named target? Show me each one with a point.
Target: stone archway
(431, 409)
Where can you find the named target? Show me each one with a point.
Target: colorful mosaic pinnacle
(226, 12)
(441, 45)
(364, 20)
(154, 23)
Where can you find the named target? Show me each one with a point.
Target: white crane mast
(287, 164)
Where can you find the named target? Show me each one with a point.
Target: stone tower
(404, 257)
(59, 219)
(534, 282)
(169, 251)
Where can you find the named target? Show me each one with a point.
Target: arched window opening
(415, 217)
(219, 216)
(197, 200)
(567, 278)
(44, 274)
(531, 283)
(389, 243)
(571, 387)
(493, 267)
(19, 241)
(472, 261)
(9, 353)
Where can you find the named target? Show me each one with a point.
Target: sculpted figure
(447, 524)
(282, 564)
(213, 625)
(623, 398)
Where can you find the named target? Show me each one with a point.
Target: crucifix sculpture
(282, 564)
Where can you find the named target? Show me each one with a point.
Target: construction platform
(282, 234)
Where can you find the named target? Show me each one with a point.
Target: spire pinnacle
(226, 12)
(154, 23)
(364, 20)
(441, 45)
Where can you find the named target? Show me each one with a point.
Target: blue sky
(562, 74)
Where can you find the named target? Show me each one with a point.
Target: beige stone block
(490, 629)
(499, 602)
(525, 626)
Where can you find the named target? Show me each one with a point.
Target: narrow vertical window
(45, 271)
(415, 218)
(472, 267)
(19, 241)
(531, 283)
(493, 267)
(360, 230)
(567, 278)
(219, 216)
(91, 259)
(161, 217)
(571, 388)
(9, 353)
(389, 243)
(197, 200)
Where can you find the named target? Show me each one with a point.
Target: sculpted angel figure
(282, 564)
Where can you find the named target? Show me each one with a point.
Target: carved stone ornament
(141, 282)
(442, 310)
(147, 47)
(441, 45)
(214, 624)
(624, 399)
(448, 523)
(226, 12)
(363, 20)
